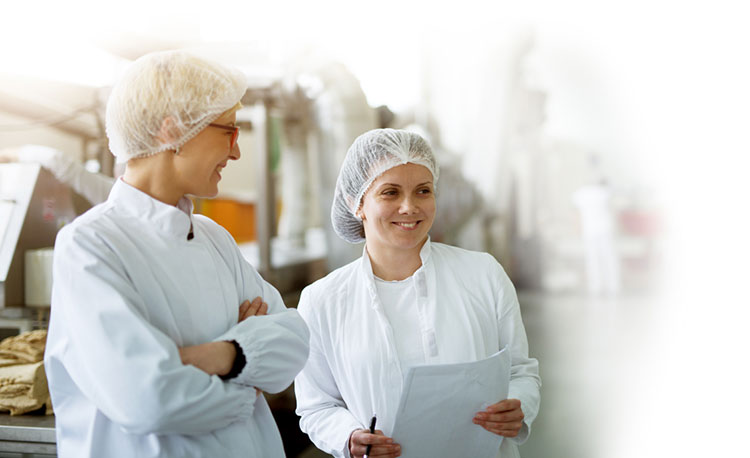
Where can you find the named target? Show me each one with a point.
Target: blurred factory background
(581, 144)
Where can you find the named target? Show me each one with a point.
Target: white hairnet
(372, 154)
(166, 98)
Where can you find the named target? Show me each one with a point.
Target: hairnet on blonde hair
(166, 98)
(371, 155)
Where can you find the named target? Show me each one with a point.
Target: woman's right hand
(382, 446)
(255, 308)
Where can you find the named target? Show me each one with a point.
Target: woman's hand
(382, 445)
(504, 418)
(213, 358)
(255, 308)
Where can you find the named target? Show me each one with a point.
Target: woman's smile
(219, 168)
(398, 210)
(407, 226)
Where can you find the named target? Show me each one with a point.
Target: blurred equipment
(33, 206)
(38, 277)
(301, 126)
(234, 215)
(341, 113)
(94, 187)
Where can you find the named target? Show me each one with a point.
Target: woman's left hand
(255, 308)
(504, 418)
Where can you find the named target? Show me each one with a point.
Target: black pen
(372, 431)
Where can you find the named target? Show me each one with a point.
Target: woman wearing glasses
(95, 187)
(154, 347)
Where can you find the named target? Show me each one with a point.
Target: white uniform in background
(466, 309)
(95, 187)
(129, 289)
(598, 228)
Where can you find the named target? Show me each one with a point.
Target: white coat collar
(424, 254)
(172, 220)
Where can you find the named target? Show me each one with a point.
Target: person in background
(405, 302)
(154, 348)
(94, 187)
(598, 229)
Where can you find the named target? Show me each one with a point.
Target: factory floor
(584, 346)
(584, 349)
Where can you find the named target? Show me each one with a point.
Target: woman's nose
(408, 206)
(234, 153)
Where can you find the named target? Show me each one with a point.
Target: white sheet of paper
(436, 409)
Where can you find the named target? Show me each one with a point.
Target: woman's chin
(409, 241)
(206, 193)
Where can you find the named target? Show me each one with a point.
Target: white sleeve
(275, 345)
(324, 416)
(525, 383)
(128, 368)
(95, 187)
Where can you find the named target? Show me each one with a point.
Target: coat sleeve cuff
(523, 434)
(529, 405)
(275, 349)
(344, 452)
(239, 362)
(241, 372)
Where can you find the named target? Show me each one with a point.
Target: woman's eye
(425, 191)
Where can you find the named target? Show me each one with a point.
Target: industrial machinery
(33, 207)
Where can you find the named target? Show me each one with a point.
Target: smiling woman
(405, 302)
(397, 213)
(199, 138)
(193, 169)
(154, 346)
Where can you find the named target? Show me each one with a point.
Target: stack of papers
(436, 409)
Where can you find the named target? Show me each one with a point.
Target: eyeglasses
(235, 133)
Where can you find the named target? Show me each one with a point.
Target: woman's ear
(168, 131)
(359, 213)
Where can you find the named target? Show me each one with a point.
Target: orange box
(236, 217)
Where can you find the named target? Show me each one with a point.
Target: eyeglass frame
(235, 134)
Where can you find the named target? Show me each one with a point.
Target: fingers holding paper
(382, 446)
(504, 418)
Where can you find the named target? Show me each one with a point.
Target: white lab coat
(468, 310)
(129, 289)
